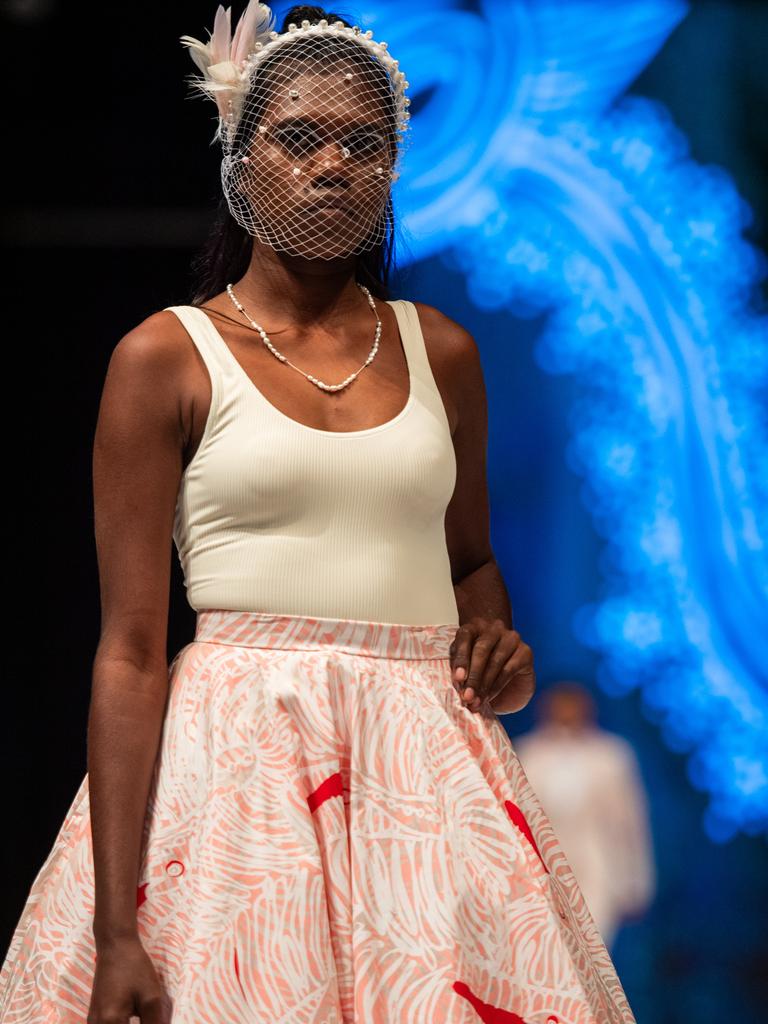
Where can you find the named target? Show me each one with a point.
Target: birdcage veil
(312, 123)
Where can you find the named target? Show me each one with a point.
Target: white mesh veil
(312, 123)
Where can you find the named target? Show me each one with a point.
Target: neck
(296, 289)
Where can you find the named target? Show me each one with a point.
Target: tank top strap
(416, 351)
(202, 332)
(204, 335)
(209, 344)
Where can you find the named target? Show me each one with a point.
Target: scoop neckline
(317, 430)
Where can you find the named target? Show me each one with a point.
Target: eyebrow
(308, 122)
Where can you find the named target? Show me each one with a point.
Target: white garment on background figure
(589, 784)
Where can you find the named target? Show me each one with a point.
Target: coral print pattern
(331, 837)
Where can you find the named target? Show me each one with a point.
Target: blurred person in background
(589, 783)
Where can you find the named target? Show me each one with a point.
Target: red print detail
(517, 817)
(141, 894)
(331, 787)
(488, 1014)
(237, 973)
(553, 1019)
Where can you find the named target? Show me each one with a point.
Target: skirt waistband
(310, 633)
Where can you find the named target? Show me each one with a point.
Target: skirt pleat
(331, 837)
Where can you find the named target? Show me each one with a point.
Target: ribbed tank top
(276, 516)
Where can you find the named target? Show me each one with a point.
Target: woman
(302, 818)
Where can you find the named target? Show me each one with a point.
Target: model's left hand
(492, 663)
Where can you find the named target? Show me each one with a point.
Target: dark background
(110, 184)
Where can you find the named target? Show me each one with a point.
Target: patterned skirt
(331, 837)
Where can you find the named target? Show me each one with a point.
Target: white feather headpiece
(223, 60)
(227, 61)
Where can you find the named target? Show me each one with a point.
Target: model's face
(323, 138)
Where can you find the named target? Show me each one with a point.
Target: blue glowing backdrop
(556, 196)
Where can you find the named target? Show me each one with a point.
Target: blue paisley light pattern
(552, 191)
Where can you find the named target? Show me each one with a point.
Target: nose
(331, 155)
(330, 166)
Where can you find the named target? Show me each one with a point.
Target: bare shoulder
(158, 342)
(446, 334)
(156, 366)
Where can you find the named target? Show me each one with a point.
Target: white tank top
(276, 516)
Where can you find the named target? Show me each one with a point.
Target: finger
(460, 652)
(499, 658)
(506, 644)
(151, 1010)
(503, 680)
(513, 662)
(516, 695)
(481, 651)
(518, 682)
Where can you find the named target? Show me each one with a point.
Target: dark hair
(227, 251)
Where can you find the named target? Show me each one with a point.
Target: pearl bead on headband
(314, 115)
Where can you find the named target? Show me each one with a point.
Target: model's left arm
(497, 664)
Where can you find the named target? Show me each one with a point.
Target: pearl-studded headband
(228, 62)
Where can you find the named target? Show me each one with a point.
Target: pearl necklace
(284, 359)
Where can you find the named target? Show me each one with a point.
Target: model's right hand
(125, 986)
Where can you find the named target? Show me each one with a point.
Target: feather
(199, 52)
(226, 73)
(221, 36)
(221, 60)
(235, 47)
(256, 21)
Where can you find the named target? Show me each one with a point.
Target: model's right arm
(137, 465)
